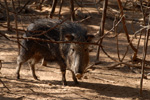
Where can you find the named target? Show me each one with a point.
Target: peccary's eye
(73, 50)
(86, 50)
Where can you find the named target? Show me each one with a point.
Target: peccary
(73, 56)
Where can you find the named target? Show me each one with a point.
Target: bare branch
(126, 63)
(52, 41)
(24, 6)
(124, 26)
(16, 26)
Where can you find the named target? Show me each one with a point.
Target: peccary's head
(78, 54)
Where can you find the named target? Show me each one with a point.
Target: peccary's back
(43, 25)
(58, 32)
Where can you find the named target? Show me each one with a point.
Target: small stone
(50, 84)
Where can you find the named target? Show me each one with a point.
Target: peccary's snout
(78, 76)
(78, 59)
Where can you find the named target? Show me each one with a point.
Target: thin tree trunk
(143, 25)
(125, 29)
(102, 25)
(8, 19)
(143, 61)
(61, 3)
(53, 8)
(16, 26)
(72, 10)
(144, 57)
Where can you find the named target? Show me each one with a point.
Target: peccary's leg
(18, 70)
(20, 61)
(35, 59)
(62, 65)
(32, 63)
(74, 78)
(63, 77)
(33, 71)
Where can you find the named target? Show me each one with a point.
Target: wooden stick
(117, 41)
(60, 8)
(8, 19)
(4, 85)
(0, 65)
(144, 57)
(102, 25)
(24, 6)
(16, 26)
(0, 79)
(72, 12)
(124, 25)
(103, 79)
(52, 41)
(53, 8)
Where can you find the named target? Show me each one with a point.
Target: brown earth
(121, 83)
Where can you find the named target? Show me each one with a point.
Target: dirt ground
(120, 83)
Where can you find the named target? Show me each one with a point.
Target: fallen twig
(0, 65)
(4, 85)
(104, 79)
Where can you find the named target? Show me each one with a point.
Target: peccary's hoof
(78, 75)
(36, 78)
(17, 76)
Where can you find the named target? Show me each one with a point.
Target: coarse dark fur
(73, 56)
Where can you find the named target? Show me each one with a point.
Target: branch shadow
(114, 90)
(7, 98)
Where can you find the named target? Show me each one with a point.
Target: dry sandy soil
(121, 83)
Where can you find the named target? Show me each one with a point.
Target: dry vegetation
(114, 75)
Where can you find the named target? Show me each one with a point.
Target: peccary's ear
(69, 37)
(89, 38)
